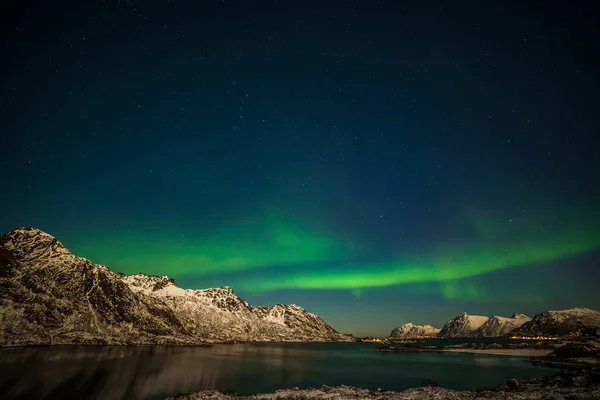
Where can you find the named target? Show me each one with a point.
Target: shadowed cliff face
(50, 296)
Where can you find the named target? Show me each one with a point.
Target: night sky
(376, 163)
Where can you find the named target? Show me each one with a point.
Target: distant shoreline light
(534, 337)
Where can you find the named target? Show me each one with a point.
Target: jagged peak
(144, 275)
(33, 243)
(574, 310)
(143, 281)
(568, 313)
(410, 325)
(29, 234)
(223, 290)
(286, 306)
(464, 315)
(24, 230)
(519, 315)
(411, 330)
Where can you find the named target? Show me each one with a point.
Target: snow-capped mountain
(50, 296)
(561, 323)
(411, 331)
(205, 312)
(463, 325)
(500, 326)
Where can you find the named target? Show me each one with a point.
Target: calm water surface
(157, 372)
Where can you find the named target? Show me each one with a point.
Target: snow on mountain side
(50, 296)
(500, 326)
(463, 325)
(204, 312)
(161, 286)
(410, 331)
(561, 323)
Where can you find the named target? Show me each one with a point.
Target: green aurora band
(278, 254)
(441, 268)
(245, 247)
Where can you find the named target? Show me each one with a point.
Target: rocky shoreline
(580, 384)
(573, 355)
(538, 345)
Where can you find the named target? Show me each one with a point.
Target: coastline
(517, 352)
(565, 385)
(503, 352)
(565, 354)
(167, 344)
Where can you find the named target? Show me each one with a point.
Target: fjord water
(99, 372)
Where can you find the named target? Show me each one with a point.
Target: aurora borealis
(266, 257)
(374, 163)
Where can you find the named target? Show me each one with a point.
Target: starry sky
(375, 162)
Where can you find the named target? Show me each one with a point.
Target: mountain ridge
(500, 326)
(554, 323)
(409, 330)
(463, 325)
(48, 295)
(569, 322)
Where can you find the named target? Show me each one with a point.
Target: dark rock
(513, 384)
(429, 383)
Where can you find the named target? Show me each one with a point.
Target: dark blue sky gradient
(397, 127)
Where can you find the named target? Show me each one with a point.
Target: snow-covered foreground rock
(50, 296)
(577, 385)
(414, 331)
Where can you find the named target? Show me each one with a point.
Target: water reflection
(156, 372)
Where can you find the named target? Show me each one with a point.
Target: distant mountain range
(50, 296)
(465, 325)
(414, 331)
(562, 323)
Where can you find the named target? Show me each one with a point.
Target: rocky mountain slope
(412, 331)
(463, 325)
(500, 326)
(561, 323)
(50, 296)
(205, 312)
